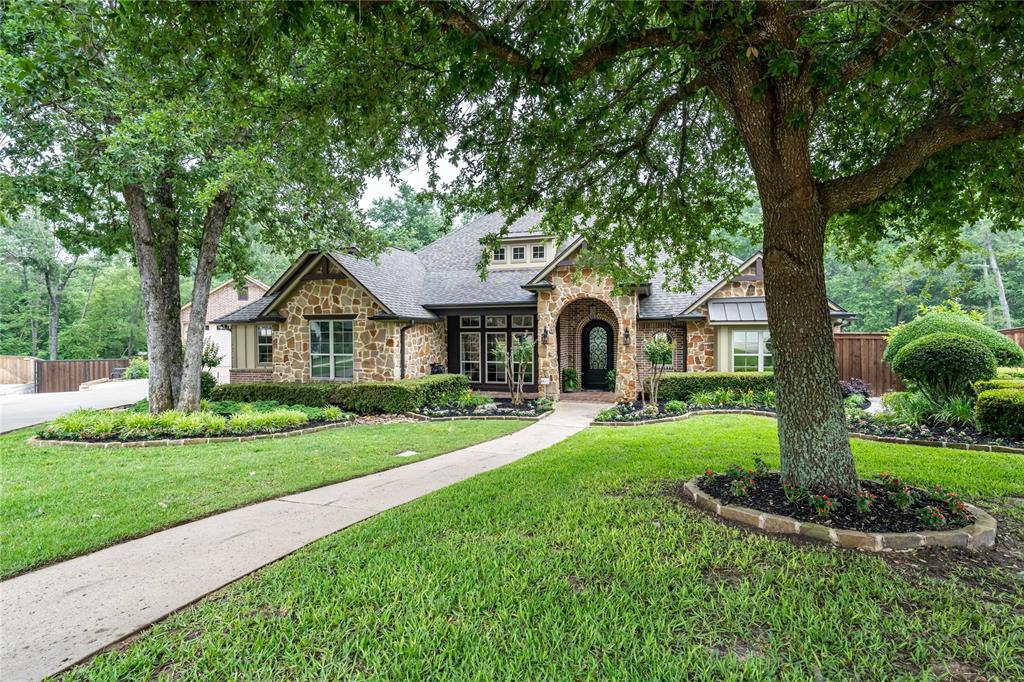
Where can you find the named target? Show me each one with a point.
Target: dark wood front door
(598, 351)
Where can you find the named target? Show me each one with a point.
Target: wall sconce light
(544, 335)
(593, 310)
(627, 337)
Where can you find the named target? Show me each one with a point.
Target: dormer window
(538, 252)
(498, 255)
(518, 254)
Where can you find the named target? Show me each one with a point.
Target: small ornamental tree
(944, 366)
(658, 352)
(515, 361)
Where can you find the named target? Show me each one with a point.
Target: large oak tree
(644, 125)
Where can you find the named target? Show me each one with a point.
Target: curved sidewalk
(60, 615)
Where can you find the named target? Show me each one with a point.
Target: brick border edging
(458, 417)
(979, 535)
(165, 442)
(976, 447)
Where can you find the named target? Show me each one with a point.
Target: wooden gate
(17, 369)
(859, 356)
(54, 376)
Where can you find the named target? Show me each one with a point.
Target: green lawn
(573, 563)
(59, 502)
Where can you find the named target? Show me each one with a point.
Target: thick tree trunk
(162, 330)
(213, 226)
(814, 441)
(55, 302)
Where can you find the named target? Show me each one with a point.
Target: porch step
(589, 397)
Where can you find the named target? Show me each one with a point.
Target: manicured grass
(572, 563)
(59, 502)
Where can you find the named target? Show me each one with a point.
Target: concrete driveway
(19, 411)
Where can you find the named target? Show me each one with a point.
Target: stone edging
(163, 442)
(977, 447)
(979, 535)
(457, 417)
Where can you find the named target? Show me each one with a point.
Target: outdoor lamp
(627, 337)
(544, 335)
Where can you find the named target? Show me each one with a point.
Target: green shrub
(395, 397)
(206, 383)
(683, 385)
(264, 422)
(1006, 352)
(470, 400)
(675, 406)
(906, 407)
(285, 393)
(988, 385)
(138, 368)
(139, 425)
(944, 366)
(1010, 372)
(1000, 412)
(570, 380)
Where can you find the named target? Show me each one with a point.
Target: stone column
(547, 353)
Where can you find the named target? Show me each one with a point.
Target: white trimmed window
(498, 255)
(469, 322)
(330, 349)
(495, 366)
(496, 321)
(469, 355)
(750, 352)
(264, 344)
(538, 252)
(522, 321)
(518, 254)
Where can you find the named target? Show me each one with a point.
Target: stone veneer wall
(551, 303)
(646, 329)
(571, 321)
(375, 343)
(700, 337)
(425, 344)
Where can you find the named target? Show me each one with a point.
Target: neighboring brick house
(224, 299)
(334, 316)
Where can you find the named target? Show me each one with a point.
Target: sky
(416, 177)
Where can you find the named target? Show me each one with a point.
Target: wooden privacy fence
(17, 369)
(1017, 334)
(859, 356)
(67, 375)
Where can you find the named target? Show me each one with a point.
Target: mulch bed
(632, 412)
(499, 408)
(767, 495)
(933, 433)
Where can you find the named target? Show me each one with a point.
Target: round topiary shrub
(1007, 353)
(943, 365)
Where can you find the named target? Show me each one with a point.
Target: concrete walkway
(57, 616)
(26, 409)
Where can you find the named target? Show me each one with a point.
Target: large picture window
(495, 366)
(750, 352)
(469, 355)
(330, 349)
(264, 344)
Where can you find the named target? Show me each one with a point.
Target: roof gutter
(401, 348)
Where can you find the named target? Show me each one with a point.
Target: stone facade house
(334, 316)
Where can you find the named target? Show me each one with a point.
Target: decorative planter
(979, 535)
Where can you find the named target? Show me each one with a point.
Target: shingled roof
(444, 275)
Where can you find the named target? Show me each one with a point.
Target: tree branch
(455, 19)
(919, 15)
(842, 194)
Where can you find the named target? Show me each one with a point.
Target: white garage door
(221, 337)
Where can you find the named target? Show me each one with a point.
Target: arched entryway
(597, 346)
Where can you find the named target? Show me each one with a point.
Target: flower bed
(870, 425)
(638, 412)
(490, 409)
(229, 420)
(886, 506)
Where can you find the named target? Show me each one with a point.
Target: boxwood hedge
(1008, 353)
(1000, 412)
(999, 383)
(682, 385)
(369, 397)
(944, 365)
